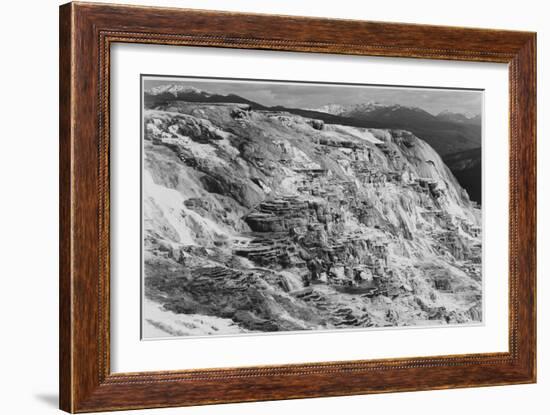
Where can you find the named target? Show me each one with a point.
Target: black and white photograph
(276, 206)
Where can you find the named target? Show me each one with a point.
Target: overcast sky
(304, 95)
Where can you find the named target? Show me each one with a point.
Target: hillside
(447, 133)
(263, 220)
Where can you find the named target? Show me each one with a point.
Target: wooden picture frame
(86, 33)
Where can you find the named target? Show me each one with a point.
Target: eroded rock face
(267, 221)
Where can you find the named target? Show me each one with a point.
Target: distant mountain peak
(366, 108)
(163, 94)
(339, 109)
(175, 90)
(467, 117)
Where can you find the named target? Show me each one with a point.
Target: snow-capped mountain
(181, 92)
(176, 90)
(466, 118)
(376, 108)
(339, 109)
(350, 110)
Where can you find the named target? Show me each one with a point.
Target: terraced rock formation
(261, 221)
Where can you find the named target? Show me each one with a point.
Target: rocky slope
(447, 132)
(259, 220)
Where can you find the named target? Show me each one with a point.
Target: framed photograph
(260, 207)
